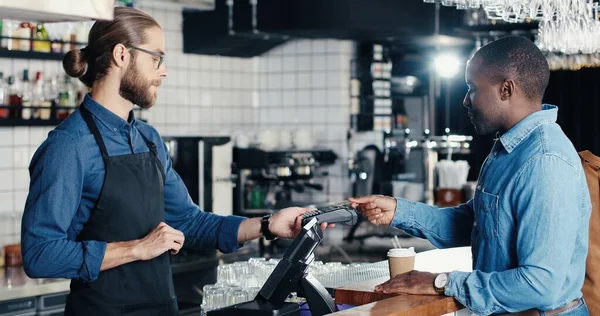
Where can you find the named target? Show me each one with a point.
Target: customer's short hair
(518, 58)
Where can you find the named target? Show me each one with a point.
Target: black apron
(130, 205)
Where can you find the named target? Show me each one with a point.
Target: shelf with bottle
(41, 41)
(57, 54)
(18, 115)
(44, 100)
(371, 105)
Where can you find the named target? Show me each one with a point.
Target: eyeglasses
(159, 55)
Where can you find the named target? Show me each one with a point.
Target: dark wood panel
(374, 304)
(405, 305)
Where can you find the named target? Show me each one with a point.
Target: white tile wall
(300, 85)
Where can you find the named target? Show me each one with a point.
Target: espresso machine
(268, 180)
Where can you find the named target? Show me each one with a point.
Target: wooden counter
(374, 304)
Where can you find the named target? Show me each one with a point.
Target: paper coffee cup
(401, 260)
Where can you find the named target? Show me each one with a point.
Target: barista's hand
(163, 238)
(287, 223)
(378, 209)
(412, 282)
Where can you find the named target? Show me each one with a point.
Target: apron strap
(154, 152)
(89, 121)
(150, 144)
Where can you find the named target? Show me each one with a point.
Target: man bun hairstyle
(92, 63)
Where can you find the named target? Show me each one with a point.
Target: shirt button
(114, 129)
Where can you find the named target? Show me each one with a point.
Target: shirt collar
(105, 116)
(514, 136)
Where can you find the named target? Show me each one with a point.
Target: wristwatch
(440, 282)
(264, 228)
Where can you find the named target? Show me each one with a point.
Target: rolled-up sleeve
(202, 230)
(57, 174)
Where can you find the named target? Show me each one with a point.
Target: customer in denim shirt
(528, 222)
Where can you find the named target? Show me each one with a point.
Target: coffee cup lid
(401, 252)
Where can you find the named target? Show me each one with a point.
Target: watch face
(441, 280)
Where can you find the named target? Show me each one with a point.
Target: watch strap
(264, 228)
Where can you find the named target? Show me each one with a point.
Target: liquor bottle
(27, 93)
(15, 98)
(3, 97)
(42, 40)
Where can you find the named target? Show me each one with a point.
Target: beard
(481, 127)
(136, 89)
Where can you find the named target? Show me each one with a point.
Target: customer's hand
(413, 282)
(378, 209)
(287, 223)
(162, 239)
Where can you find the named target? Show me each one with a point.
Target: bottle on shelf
(38, 100)
(50, 91)
(66, 100)
(24, 33)
(15, 98)
(42, 40)
(8, 30)
(27, 93)
(3, 97)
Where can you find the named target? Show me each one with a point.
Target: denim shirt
(67, 175)
(527, 223)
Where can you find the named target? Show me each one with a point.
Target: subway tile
(6, 202)
(195, 115)
(304, 63)
(304, 98)
(333, 98)
(6, 180)
(303, 46)
(21, 157)
(275, 81)
(319, 46)
(183, 78)
(333, 46)
(174, 21)
(319, 79)
(6, 157)
(319, 114)
(319, 62)
(160, 17)
(303, 80)
(319, 98)
(215, 81)
(275, 64)
(290, 99)
(289, 80)
(21, 135)
(37, 135)
(6, 136)
(7, 227)
(16, 222)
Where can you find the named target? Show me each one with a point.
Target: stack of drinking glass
(241, 281)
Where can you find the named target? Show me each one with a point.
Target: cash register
(290, 274)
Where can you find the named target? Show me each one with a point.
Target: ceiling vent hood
(261, 21)
(56, 10)
(226, 31)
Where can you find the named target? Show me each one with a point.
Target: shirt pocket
(487, 211)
